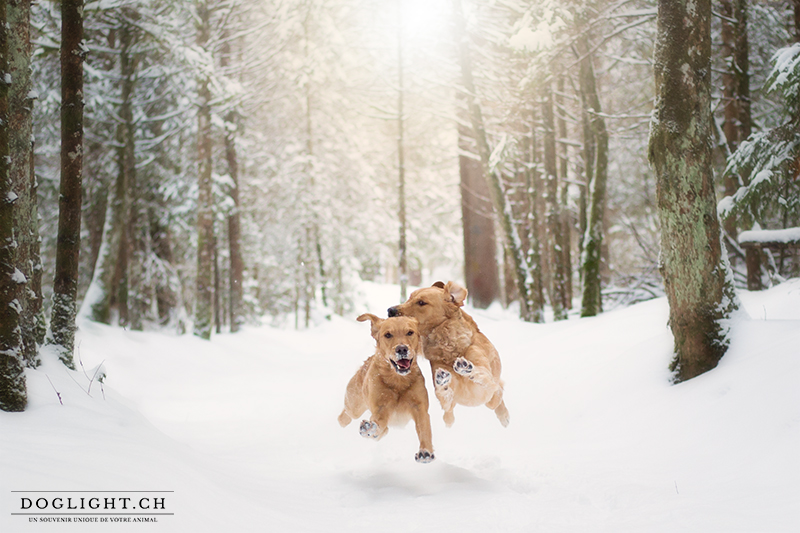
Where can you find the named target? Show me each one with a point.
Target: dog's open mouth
(402, 366)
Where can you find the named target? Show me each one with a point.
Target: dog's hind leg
(344, 418)
(354, 404)
(497, 405)
(353, 408)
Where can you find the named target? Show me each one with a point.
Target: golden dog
(390, 384)
(465, 365)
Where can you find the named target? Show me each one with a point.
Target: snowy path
(243, 430)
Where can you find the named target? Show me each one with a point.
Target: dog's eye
(410, 333)
(388, 335)
(421, 303)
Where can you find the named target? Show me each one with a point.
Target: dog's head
(397, 338)
(432, 305)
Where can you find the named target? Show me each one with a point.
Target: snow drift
(240, 433)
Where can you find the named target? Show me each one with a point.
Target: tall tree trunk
(741, 56)
(217, 288)
(168, 289)
(313, 225)
(566, 222)
(401, 168)
(65, 283)
(236, 274)
(26, 214)
(137, 272)
(797, 21)
(480, 244)
(735, 92)
(533, 185)
(558, 292)
(592, 303)
(696, 275)
(13, 389)
(588, 155)
(500, 202)
(204, 288)
(236, 271)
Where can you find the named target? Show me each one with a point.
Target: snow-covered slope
(242, 431)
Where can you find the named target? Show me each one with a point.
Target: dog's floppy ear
(376, 322)
(438, 284)
(455, 293)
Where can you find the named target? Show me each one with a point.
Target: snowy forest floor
(243, 429)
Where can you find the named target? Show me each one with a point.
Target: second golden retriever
(465, 365)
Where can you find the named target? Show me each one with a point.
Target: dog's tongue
(404, 364)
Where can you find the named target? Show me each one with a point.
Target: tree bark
(218, 314)
(566, 222)
(480, 243)
(555, 240)
(236, 271)
(696, 275)
(592, 303)
(107, 287)
(204, 287)
(13, 389)
(236, 280)
(741, 56)
(65, 283)
(137, 229)
(736, 125)
(26, 215)
(533, 258)
(401, 165)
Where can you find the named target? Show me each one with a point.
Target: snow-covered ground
(242, 431)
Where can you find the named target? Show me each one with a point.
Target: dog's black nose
(393, 312)
(401, 350)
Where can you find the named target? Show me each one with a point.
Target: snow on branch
(762, 236)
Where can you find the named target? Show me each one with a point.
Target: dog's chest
(447, 342)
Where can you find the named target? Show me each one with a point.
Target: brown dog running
(465, 365)
(390, 384)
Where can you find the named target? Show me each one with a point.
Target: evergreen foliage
(769, 158)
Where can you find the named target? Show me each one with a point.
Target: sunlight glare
(423, 18)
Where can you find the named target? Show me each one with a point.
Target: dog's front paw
(424, 456)
(442, 377)
(368, 429)
(463, 367)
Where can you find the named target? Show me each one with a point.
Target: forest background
(244, 159)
